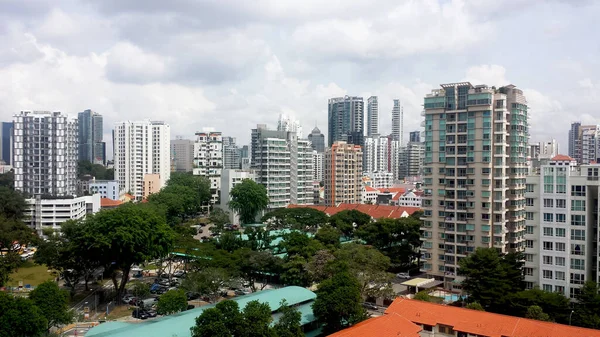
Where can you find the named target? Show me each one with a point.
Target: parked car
(179, 273)
(241, 292)
(138, 302)
(148, 302)
(403, 275)
(140, 314)
(371, 306)
(162, 290)
(151, 312)
(192, 296)
(154, 288)
(127, 298)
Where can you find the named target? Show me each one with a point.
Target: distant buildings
(45, 153)
(398, 122)
(231, 154)
(381, 154)
(6, 139)
(289, 124)
(317, 140)
(575, 141)
(346, 120)
(90, 133)
(317, 165)
(151, 184)
(50, 213)
(343, 174)
(229, 179)
(182, 153)
(414, 137)
(372, 117)
(106, 188)
(140, 148)
(208, 160)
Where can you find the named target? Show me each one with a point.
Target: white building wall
(208, 160)
(106, 188)
(51, 213)
(229, 179)
(317, 166)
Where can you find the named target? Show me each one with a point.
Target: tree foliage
(8, 179)
(536, 312)
(206, 282)
(587, 310)
(254, 266)
(329, 236)
(98, 171)
(13, 235)
(289, 324)
(53, 304)
(171, 302)
(301, 218)
(248, 198)
(347, 220)
(20, 317)
(218, 218)
(474, 306)
(12, 204)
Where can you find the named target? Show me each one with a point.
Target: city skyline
(279, 61)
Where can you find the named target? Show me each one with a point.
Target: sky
(228, 65)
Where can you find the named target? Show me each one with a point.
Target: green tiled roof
(178, 325)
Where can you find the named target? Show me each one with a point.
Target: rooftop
(375, 211)
(106, 202)
(389, 325)
(562, 157)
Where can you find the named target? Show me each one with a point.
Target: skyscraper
(372, 117)
(45, 153)
(317, 140)
(345, 116)
(398, 122)
(575, 141)
(208, 160)
(90, 129)
(231, 154)
(141, 148)
(474, 174)
(343, 174)
(182, 153)
(6, 142)
(415, 137)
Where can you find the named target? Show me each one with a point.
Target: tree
(555, 304)
(347, 220)
(318, 265)
(53, 304)
(232, 317)
(210, 323)
(338, 302)
(300, 218)
(257, 319)
(297, 243)
(200, 184)
(206, 282)
(8, 179)
(536, 312)
(248, 198)
(85, 167)
(587, 311)
(289, 324)
(329, 236)
(474, 306)
(179, 202)
(20, 317)
(141, 289)
(294, 272)
(253, 266)
(171, 302)
(12, 204)
(226, 320)
(423, 296)
(13, 235)
(218, 218)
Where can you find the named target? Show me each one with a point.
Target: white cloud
(492, 75)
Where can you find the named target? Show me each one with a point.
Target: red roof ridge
(562, 157)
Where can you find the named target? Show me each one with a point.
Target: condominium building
(45, 153)
(106, 188)
(317, 165)
(6, 146)
(343, 174)
(372, 117)
(346, 120)
(381, 154)
(590, 144)
(231, 154)
(575, 141)
(283, 163)
(141, 147)
(474, 174)
(182, 154)
(317, 140)
(398, 122)
(562, 231)
(208, 160)
(49, 213)
(289, 124)
(415, 137)
(380, 180)
(229, 179)
(151, 185)
(90, 133)
(415, 153)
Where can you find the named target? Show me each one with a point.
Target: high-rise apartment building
(415, 155)
(229, 179)
(398, 122)
(346, 120)
(474, 174)
(90, 134)
(414, 137)
(208, 160)
(283, 163)
(231, 154)
(289, 124)
(6, 142)
(343, 174)
(575, 141)
(45, 153)
(182, 153)
(372, 117)
(561, 226)
(140, 148)
(380, 154)
(590, 142)
(318, 165)
(317, 140)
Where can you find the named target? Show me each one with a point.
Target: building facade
(45, 153)
(575, 141)
(415, 155)
(182, 154)
(283, 163)
(414, 137)
(372, 117)
(318, 165)
(106, 188)
(343, 174)
(381, 154)
(231, 154)
(474, 174)
(6, 139)
(229, 179)
(90, 134)
(589, 144)
(208, 160)
(561, 219)
(317, 140)
(289, 124)
(50, 213)
(141, 147)
(151, 184)
(398, 122)
(345, 119)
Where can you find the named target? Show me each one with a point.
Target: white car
(403, 275)
(127, 298)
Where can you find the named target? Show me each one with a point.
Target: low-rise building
(50, 213)
(151, 185)
(106, 188)
(229, 179)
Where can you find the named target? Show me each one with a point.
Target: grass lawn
(30, 274)
(119, 311)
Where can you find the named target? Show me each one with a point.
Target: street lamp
(571, 315)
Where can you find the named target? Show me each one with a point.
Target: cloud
(490, 74)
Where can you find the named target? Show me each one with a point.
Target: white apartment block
(229, 179)
(51, 213)
(372, 117)
(380, 180)
(141, 147)
(182, 154)
(590, 144)
(398, 122)
(343, 174)
(106, 188)
(45, 153)
(474, 174)
(409, 199)
(415, 154)
(208, 160)
(561, 249)
(289, 124)
(318, 165)
(381, 154)
(284, 165)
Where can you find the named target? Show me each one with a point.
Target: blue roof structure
(178, 325)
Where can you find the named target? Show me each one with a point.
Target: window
(577, 220)
(529, 202)
(529, 257)
(560, 246)
(528, 271)
(547, 287)
(560, 232)
(577, 191)
(547, 260)
(559, 289)
(561, 217)
(577, 249)
(577, 234)
(548, 188)
(559, 275)
(549, 203)
(577, 278)
(578, 205)
(528, 229)
(528, 243)
(548, 231)
(578, 264)
(559, 261)
(547, 245)
(547, 274)
(529, 188)
(528, 215)
(427, 327)
(548, 217)
(561, 203)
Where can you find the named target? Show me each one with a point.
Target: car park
(127, 298)
(162, 290)
(241, 292)
(140, 314)
(149, 302)
(403, 275)
(151, 313)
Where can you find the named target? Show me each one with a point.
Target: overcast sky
(228, 65)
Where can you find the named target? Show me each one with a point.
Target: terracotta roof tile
(562, 157)
(375, 211)
(370, 189)
(388, 325)
(106, 202)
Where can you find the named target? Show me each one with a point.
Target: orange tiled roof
(127, 195)
(482, 323)
(389, 325)
(106, 202)
(375, 211)
(370, 189)
(562, 157)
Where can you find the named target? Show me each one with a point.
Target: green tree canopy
(555, 304)
(53, 304)
(256, 266)
(8, 179)
(248, 198)
(218, 218)
(95, 170)
(179, 202)
(20, 317)
(347, 220)
(329, 236)
(257, 319)
(587, 310)
(301, 218)
(206, 282)
(13, 231)
(290, 322)
(12, 204)
(171, 302)
(536, 312)
(474, 306)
